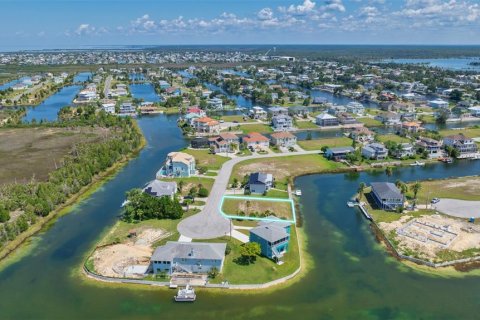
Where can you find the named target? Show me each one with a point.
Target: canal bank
(353, 276)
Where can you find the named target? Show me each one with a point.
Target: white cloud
(265, 14)
(301, 9)
(335, 5)
(84, 29)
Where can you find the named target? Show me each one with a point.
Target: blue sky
(75, 23)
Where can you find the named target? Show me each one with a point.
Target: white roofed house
(375, 151)
(282, 122)
(159, 188)
(326, 120)
(465, 146)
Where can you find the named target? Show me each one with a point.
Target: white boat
(185, 295)
(351, 204)
(417, 163)
(124, 203)
(298, 192)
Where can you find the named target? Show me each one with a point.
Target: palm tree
(361, 190)
(416, 188)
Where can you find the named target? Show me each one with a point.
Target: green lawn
(260, 127)
(283, 167)
(203, 158)
(255, 208)
(306, 125)
(370, 122)
(188, 183)
(392, 137)
(263, 270)
(469, 132)
(466, 188)
(235, 118)
(244, 153)
(317, 144)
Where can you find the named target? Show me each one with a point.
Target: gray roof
(260, 178)
(274, 221)
(189, 250)
(270, 232)
(386, 190)
(341, 149)
(159, 188)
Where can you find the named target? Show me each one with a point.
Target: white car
(435, 200)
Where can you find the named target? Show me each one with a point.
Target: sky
(36, 24)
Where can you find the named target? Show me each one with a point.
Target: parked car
(435, 200)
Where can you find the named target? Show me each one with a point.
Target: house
(338, 153)
(196, 110)
(206, 125)
(127, 108)
(326, 120)
(412, 126)
(178, 164)
(108, 107)
(375, 151)
(225, 142)
(283, 139)
(475, 111)
(462, 143)
(355, 108)
(255, 140)
(273, 238)
(438, 104)
(276, 111)
(257, 113)
(362, 134)
(299, 111)
(282, 122)
(260, 182)
(159, 188)
(389, 118)
(406, 150)
(173, 91)
(336, 109)
(188, 257)
(431, 146)
(200, 143)
(346, 118)
(387, 196)
(163, 84)
(215, 103)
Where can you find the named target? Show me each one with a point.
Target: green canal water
(352, 277)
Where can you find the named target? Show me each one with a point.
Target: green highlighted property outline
(228, 216)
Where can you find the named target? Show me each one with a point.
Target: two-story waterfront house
(326, 120)
(260, 182)
(463, 144)
(273, 238)
(387, 196)
(188, 257)
(375, 151)
(178, 164)
(282, 123)
(431, 146)
(283, 139)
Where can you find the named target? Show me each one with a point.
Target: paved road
(108, 85)
(209, 223)
(459, 208)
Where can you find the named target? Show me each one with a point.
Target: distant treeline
(38, 199)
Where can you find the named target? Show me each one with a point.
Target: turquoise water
(352, 277)
(82, 77)
(451, 63)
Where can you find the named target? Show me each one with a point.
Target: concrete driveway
(210, 223)
(459, 208)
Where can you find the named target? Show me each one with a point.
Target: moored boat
(185, 295)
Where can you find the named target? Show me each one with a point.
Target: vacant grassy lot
(255, 207)
(469, 132)
(263, 270)
(240, 119)
(33, 152)
(261, 128)
(369, 122)
(283, 167)
(393, 138)
(203, 158)
(467, 188)
(317, 144)
(188, 183)
(306, 125)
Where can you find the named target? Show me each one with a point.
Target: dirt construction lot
(113, 260)
(427, 236)
(34, 152)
